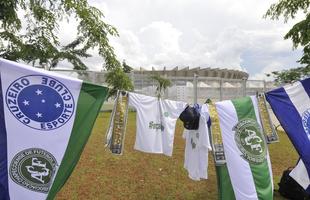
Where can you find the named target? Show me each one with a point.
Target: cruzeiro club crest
(40, 102)
(250, 141)
(306, 121)
(33, 169)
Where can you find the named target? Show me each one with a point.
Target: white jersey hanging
(156, 120)
(197, 147)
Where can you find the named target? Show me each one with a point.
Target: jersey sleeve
(179, 107)
(175, 108)
(203, 128)
(133, 99)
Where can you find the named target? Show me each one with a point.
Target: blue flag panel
(4, 192)
(291, 105)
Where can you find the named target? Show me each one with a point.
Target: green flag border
(89, 104)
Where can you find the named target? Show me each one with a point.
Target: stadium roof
(201, 72)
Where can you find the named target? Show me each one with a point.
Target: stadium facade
(190, 72)
(197, 83)
(214, 83)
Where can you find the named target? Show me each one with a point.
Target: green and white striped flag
(45, 122)
(247, 159)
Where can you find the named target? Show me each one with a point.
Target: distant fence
(188, 89)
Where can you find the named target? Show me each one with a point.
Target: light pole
(195, 88)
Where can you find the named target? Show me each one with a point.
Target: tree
(299, 34)
(291, 75)
(162, 84)
(37, 41)
(126, 68)
(118, 80)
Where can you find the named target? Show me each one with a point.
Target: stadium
(191, 72)
(189, 83)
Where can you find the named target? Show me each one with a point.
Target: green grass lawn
(136, 175)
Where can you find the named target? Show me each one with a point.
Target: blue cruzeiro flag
(45, 122)
(291, 105)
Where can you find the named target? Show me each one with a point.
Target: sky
(197, 33)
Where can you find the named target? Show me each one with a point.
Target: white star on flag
(57, 105)
(39, 115)
(26, 103)
(43, 100)
(39, 92)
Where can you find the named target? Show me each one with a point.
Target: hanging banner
(216, 137)
(246, 152)
(291, 105)
(267, 125)
(118, 121)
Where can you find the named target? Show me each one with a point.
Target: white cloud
(128, 47)
(222, 33)
(160, 43)
(160, 37)
(272, 66)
